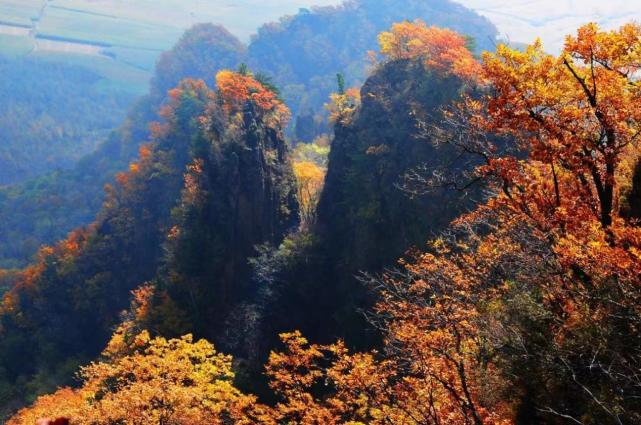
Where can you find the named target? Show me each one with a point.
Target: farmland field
(15, 45)
(240, 17)
(19, 12)
(130, 34)
(65, 23)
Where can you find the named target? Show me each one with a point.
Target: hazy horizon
(551, 20)
(517, 21)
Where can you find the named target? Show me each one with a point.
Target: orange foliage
(236, 90)
(576, 115)
(551, 230)
(424, 383)
(64, 252)
(554, 227)
(188, 88)
(192, 192)
(27, 280)
(64, 402)
(144, 156)
(442, 50)
(573, 121)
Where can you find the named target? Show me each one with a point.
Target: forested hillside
(366, 218)
(231, 256)
(306, 277)
(301, 54)
(63, 307)
(44, 119)
(44, 210)
(522, 307)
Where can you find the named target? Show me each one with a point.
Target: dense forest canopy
(301, 54)
(523, 309)
(304, 52)
(44, 122)
(226, 142)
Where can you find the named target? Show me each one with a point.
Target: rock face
(264, 185)
(301, 53)
(239, 195)
(364, 216)
(365, 221)
(630, 199)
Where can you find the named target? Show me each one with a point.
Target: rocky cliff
(366, 220)
(364, 215)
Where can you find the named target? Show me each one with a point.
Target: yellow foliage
(310, 179)
(175, 381)
(342, 107)
(316, 152)
(552, 226)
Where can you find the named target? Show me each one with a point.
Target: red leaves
(47, 421)
(575, 115)
(441, 49)
(237, 89)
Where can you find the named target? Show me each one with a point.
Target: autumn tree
(317, 151)
(343, 106)
(310, 166)
(554, 135)
(309, 182)
(62, 309)
(239, 191)
(577, 113)
(237, 89)
(431, 370)
(441, 49)
(143, 380)
(526, 310)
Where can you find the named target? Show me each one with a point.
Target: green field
(19, 12)
(14, 46)
(137, 58)
(129, 17)
(114, 31)
(116, 74)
